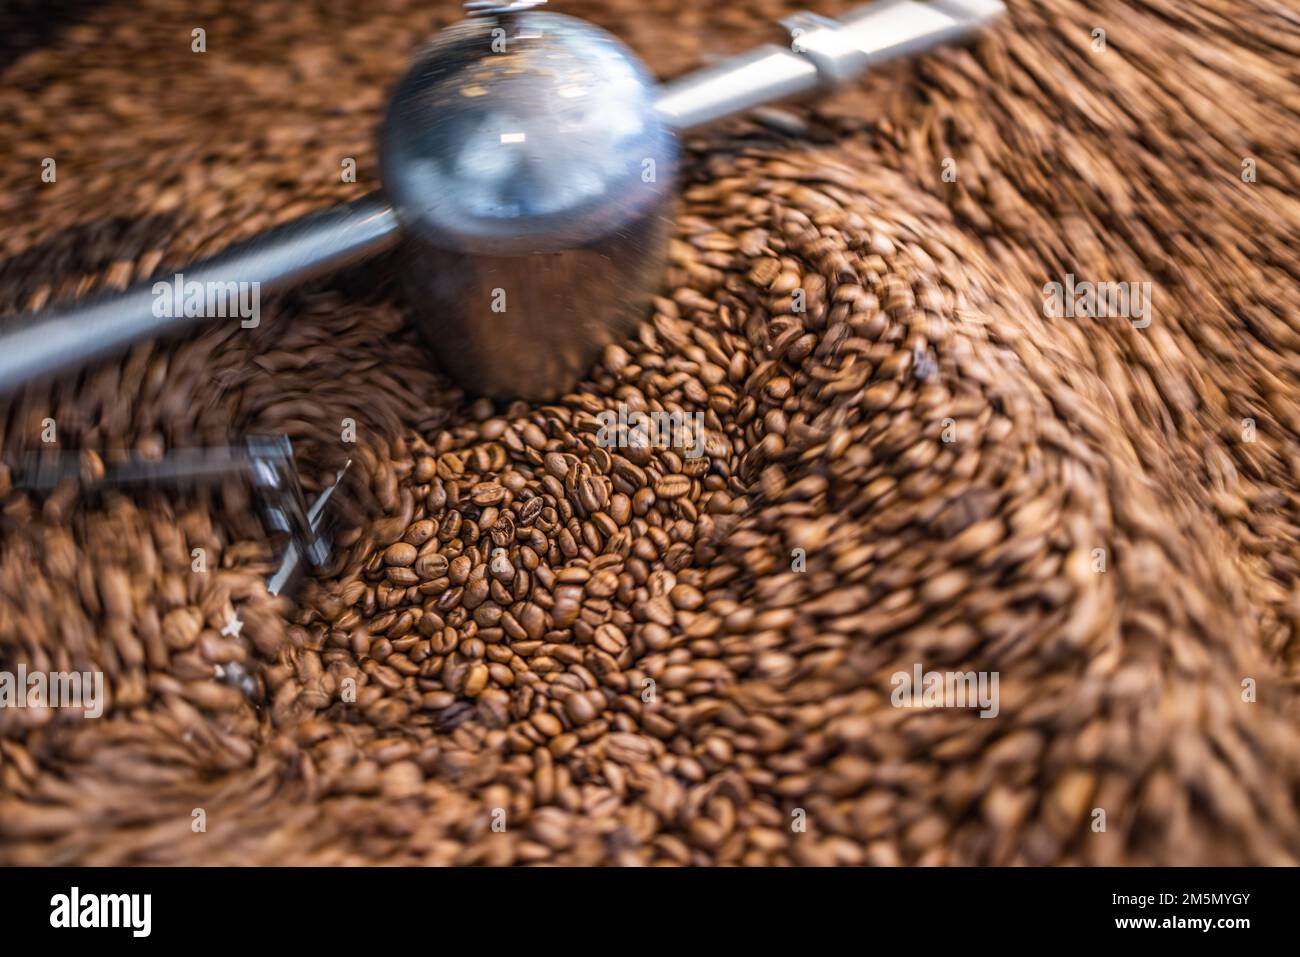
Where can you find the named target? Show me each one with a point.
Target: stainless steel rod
(72, 336)
(823, 53)
(183, 467)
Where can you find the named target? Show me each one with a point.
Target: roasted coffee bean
(487, 493)
(400, 553)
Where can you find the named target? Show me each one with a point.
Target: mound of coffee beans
(549, 639)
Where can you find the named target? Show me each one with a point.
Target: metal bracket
(823, 41)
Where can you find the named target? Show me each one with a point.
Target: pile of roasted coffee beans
(548, 642)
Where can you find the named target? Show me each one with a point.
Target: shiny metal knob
(533, 179)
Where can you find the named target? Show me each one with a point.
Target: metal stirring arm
(824, 53)
(69, 337)
(265, 461)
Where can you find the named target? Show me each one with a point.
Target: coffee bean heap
(544, 647)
